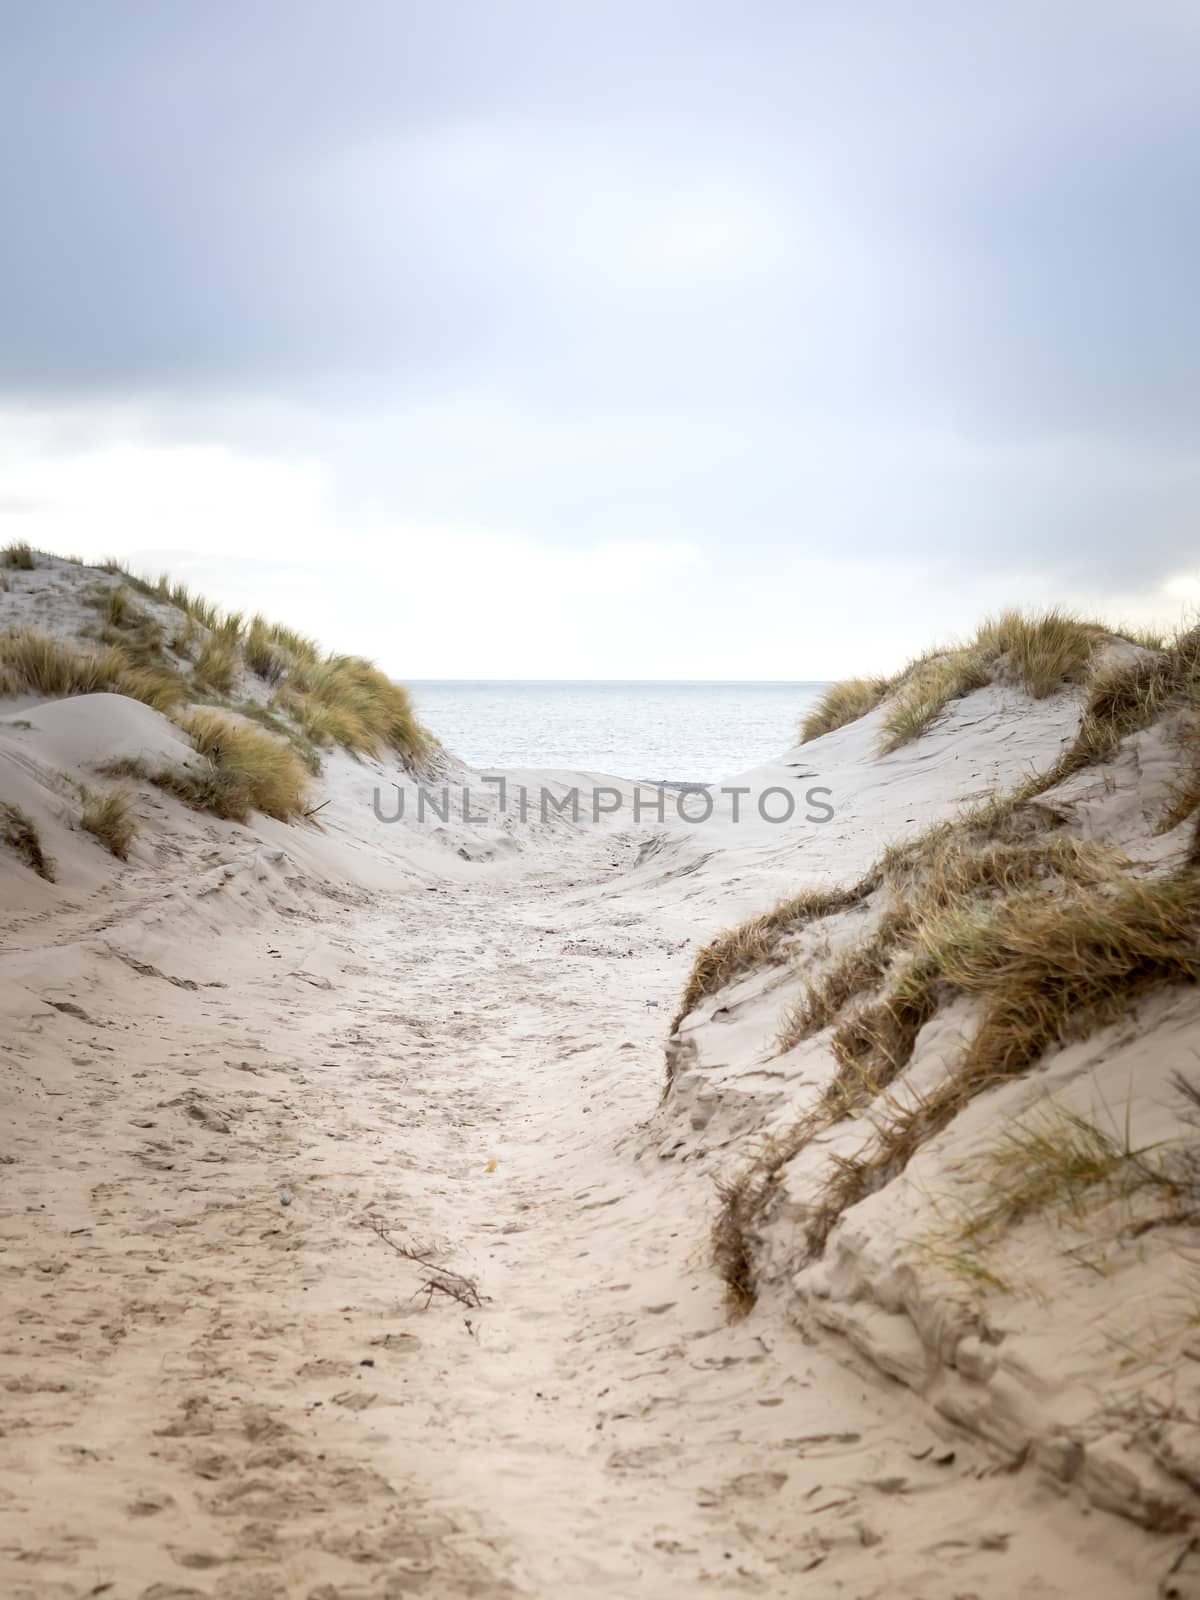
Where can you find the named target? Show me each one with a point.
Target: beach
(356, 1244)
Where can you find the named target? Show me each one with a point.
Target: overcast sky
(563, 339)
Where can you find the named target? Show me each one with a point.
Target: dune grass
(19, 833)
(754, 943)
(243, 771)
(140, 637)
(36, 663)
(1051, 936)
(842, 703)
(1043, 969)
(1126, 697)
(857, 970)
(283, 728)
(109, 817)
(297, 646)
(247, 769)
(335, 700)
(319, 701)
(217, 664)
(114, 603)
(1057, 1164)
(352, 703)
(265, 656)
(18, 555)
(1055, 1161)
(928, 691)
(1041, 651)
(1044, 649)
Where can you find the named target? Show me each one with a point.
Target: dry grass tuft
(35, 663)
(114, 604)
(360, 708)
(264, 655)
(1124, 698)
(323, 725)
(1046, 965)
(217, 664)
(926, 693)
(194, 607)
(842, 703)
(857, 970)
(1044, 649)
(229, 625)
(160, 689)
(250, 770)
(740, 1206)
(1048, 933)
(296, 646)
(110, 818)
(202, 788)
(46, 666)
(267, 717)
(182, 641)
(243, 770)
(18, 555)
(1058, 1163)
(1041, 651)
(140, 637)
(953, 864)
(1054, 1161)
(19, 833)
(874, 1045)
(753, 943)
(1044, 968)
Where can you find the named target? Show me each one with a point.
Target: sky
(559, 338)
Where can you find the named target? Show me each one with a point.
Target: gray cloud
(865, 278)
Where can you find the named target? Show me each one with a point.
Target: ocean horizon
(677, 730)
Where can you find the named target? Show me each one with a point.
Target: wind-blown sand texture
(243, 1066)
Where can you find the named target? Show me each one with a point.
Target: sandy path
(208, 1392)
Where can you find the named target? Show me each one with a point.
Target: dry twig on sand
(437, 1280)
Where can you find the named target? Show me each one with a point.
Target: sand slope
(213, 1391)
(227, 1063)
(1067, 1342)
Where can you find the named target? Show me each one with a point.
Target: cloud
(870, 290)
(466, 599)
(260, 535)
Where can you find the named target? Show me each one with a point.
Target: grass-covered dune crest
(1039, 651)
(155, 641)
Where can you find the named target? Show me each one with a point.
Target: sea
(674, 732)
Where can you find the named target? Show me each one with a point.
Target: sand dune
(248, 1069)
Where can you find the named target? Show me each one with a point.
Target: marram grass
(109, 818)
(1050, 936)
(334, 700)
(1040, 651)
(18, 833)
(248, 767)
(1043, 964)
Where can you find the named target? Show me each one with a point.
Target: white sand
(456, 1032)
